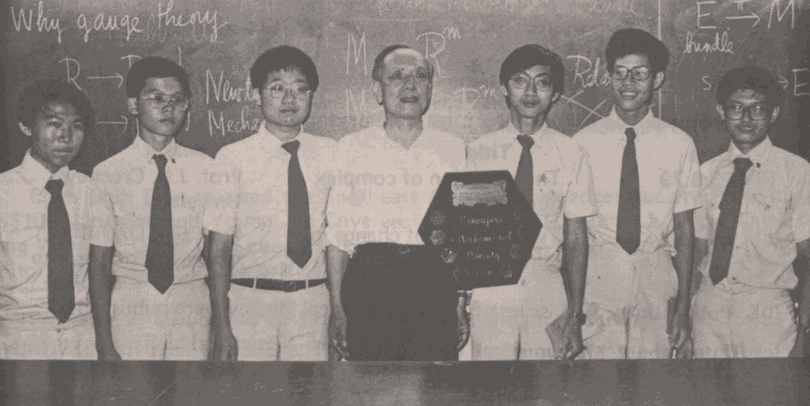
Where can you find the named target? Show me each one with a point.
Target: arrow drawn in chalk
(124, 123)
(116, 76)
(752, 15)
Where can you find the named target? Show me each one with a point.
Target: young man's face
(57, 135)
(285, 98)
(531, 92)
(633, 95)
(756, 118)
(406, 86)
(160, 107)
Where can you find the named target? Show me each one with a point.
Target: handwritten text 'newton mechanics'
(43, 20)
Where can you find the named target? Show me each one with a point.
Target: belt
(277, 284)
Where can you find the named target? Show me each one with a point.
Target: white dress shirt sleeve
(801, 203)
(224, 185)
(339, 208)
(689, 186)
(101, 209)
(581, 198)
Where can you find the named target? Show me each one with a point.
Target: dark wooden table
(653, 382)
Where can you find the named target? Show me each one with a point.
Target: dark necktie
(299, 239)
(160, 252)
(628, 219)
(60, 255)
(524, 177)
(727, 222)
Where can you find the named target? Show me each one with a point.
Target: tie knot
(161, 161)
(54, 187)
(742, 164)
(525, 140)
(630, 133)
(291, 147)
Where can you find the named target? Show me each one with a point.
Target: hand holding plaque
(482, 228)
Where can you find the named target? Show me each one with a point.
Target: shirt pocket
(768, 211)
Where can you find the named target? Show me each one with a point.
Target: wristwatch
(581, 318)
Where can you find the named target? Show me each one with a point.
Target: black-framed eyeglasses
(639, 73)
(756, 112)
(542, 83)
(160, 100)
(277, 91)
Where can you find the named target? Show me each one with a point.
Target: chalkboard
(92, 44)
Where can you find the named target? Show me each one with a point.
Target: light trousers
(48, 340)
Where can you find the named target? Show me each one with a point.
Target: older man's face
(407, 84)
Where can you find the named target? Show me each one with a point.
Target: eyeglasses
(756, 112)
(639, 73)
(398, 78)
(160, 100)
(299, 91)
(542, 83)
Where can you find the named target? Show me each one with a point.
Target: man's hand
(572, 339)
(798, 347)
(680, 333)
(463, 325)
(337, 332)
(107, 352)
(225, 346)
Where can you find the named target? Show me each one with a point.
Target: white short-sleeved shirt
(383, 190)
(121, 206)
(24, 239)
(669, 178)
(249, 201)
(774, 215)
(563, 185)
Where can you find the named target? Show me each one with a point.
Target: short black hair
(283, 58)
(750, 78)
(530, 55)
(376, 71)
(632, 41)
(155, 67)
(37, 96)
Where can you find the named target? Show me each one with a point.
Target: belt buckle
(404, 250)
(289, 286)
(306, 283)
(254, 283)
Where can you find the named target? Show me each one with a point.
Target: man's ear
(721, 112)
(775, 114)
(258, 96)
(376, 88)
(659, 80)
(132, 105)
(27, 131)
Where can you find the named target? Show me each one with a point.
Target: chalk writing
(72, 78)
(431, 40)
(129, 58)
(221, 126)
(116, 76)
(746, 17)
(108, 23)
(43, 22)
(791, 5)
(225, 92)
(165, 18)
(451, 33)
(721, 44)
(359, 49)
(699, 15)
(603, 6)
(797, 84)
(705, 80)
(356, 109)
(593, 79)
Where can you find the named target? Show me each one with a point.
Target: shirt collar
(511, 132)
(271, 143)
(145, 152)
(758, 155)
(617, 126)
(36, 173)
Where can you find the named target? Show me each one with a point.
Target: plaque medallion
(482, 228)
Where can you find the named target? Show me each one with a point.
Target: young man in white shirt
(398, 300)
(147, 205)
(754, 221)
(647, 180)
(267, 220)
(509, 322)
(45, 231)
